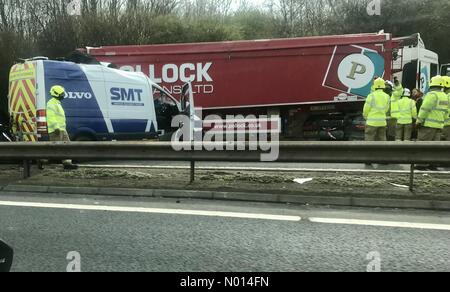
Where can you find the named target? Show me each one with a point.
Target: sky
(257, 2)
(254, 2)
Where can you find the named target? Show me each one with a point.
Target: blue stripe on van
(130, 126)
(82, 112)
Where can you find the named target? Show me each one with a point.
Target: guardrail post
(411, 178)
(192, 172)
(26, 169)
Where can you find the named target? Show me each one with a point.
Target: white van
(102, 103)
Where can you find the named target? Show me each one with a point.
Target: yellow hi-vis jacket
(447, 121)
(56, 117)
(434, 110)
(395, 98)
(407, 111)
(376, 108)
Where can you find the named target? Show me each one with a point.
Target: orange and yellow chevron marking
(22, 71)
(22, 103)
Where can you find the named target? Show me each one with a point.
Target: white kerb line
(375, 223)
(152, 211)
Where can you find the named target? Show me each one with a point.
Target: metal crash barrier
(411, 153)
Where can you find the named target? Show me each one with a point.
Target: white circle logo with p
(356, 71)
(423, 82)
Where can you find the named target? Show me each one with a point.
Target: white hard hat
(407, 92)
(388, 82)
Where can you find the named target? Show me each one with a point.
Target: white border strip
(365, 49)
(329, 66)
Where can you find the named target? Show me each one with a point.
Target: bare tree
(206, 8)
(161, 7)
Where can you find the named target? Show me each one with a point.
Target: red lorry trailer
(317, 85)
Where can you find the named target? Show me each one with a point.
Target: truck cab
(413, 64)
(445, 70)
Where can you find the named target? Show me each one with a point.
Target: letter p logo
(356, 71)
(357, 68)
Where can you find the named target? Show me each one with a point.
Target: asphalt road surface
(77, 233)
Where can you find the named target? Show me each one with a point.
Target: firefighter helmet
(389, 83)
(58, 91)
(407, 92)
(437, 81)
(379, 84)
(446, 81)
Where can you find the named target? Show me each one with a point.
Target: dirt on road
(323, 184)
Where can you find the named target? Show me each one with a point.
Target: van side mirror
(183, 104)
(6, 257)
(184, 99)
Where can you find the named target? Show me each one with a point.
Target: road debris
(303, 180)
(399, 186)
